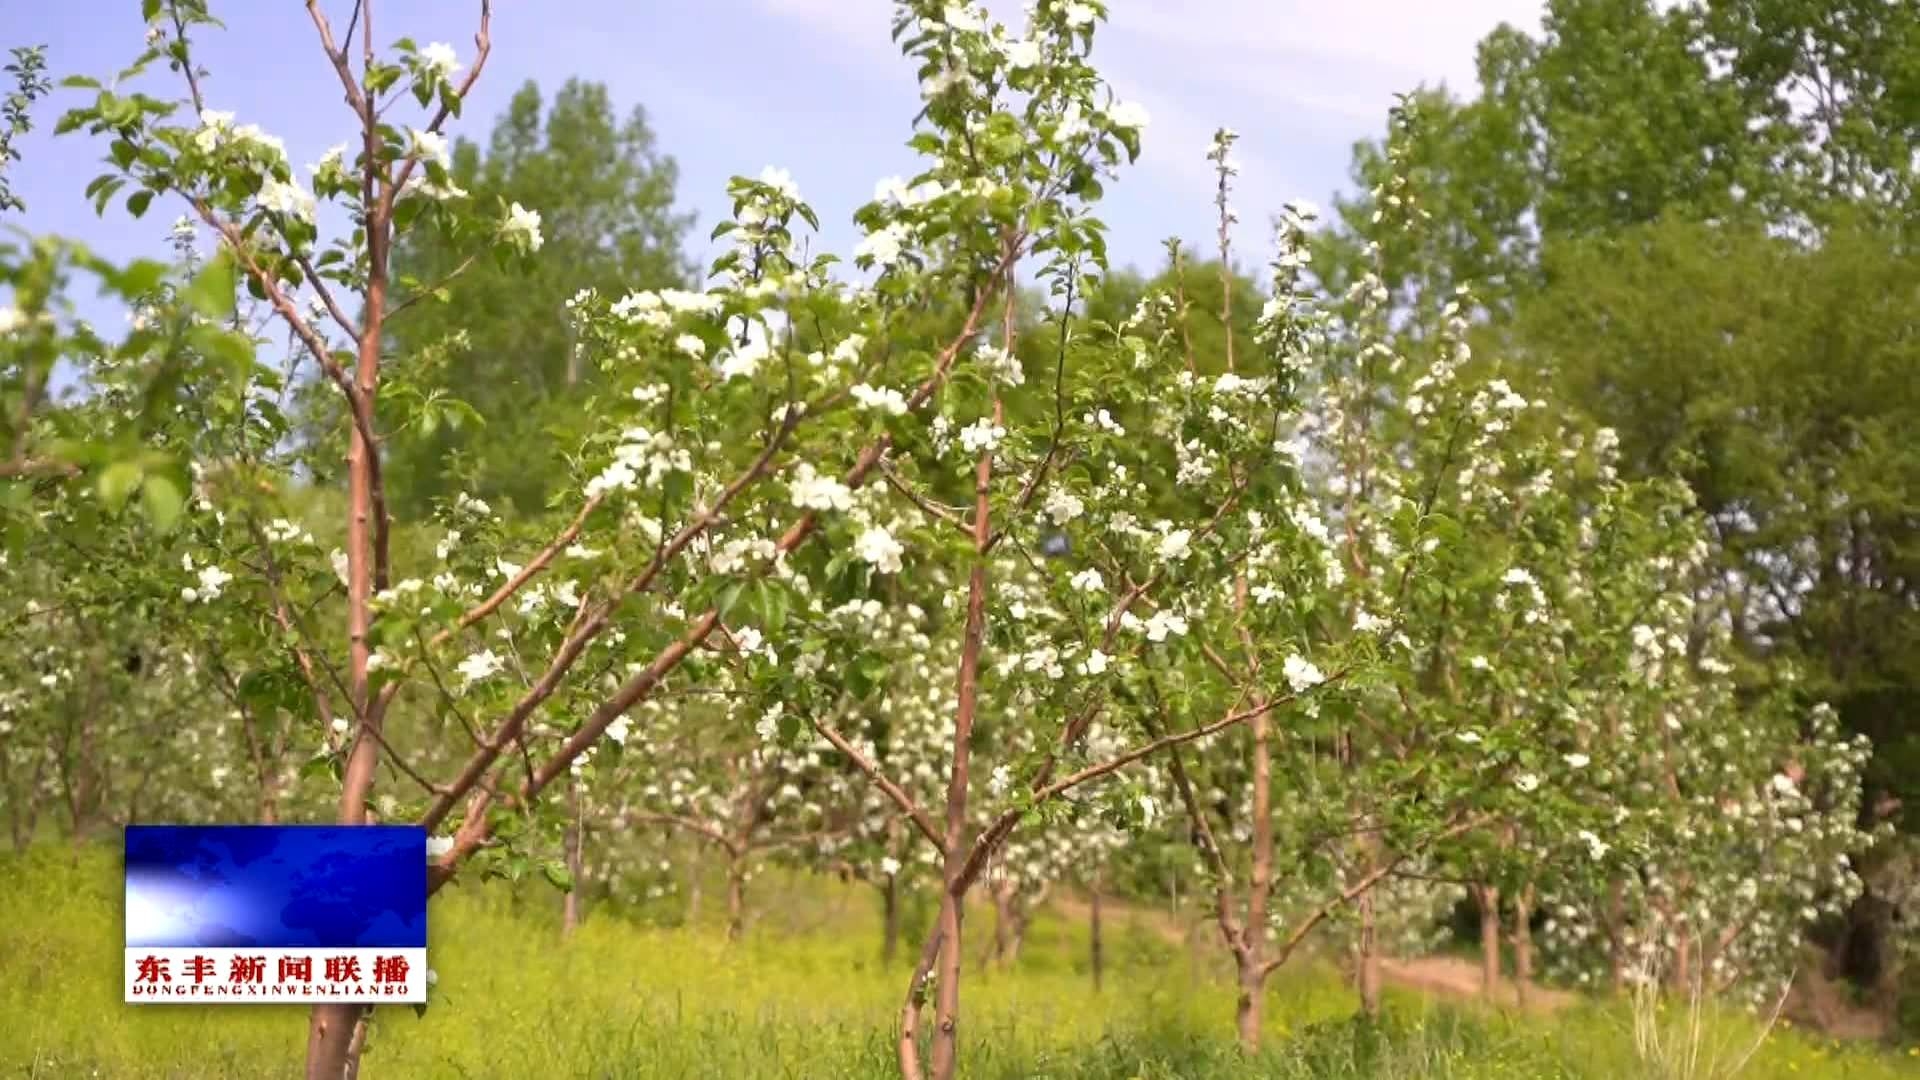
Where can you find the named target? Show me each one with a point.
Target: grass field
(804, 996)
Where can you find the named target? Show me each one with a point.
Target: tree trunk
(26, 820)
(890, 928)
(945, 1056)
(357, 1044)
(331, 1053)
(1367, 956)
(1683, 959)
(693, 891)
(1004, 896)
(1250, 958)
(1249, 1006)
(1096, 955)
(1522, 944)
(570, 902)
(736, 897)
(1617, 940)
(946, 1032)
(1488, 897)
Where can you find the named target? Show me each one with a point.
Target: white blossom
(291, 200)
(481, 665)
(429, 146)
(1162, 623)
(522, 228)
(877, 546)
(1063, 506)
(439, 59)
(810, 491)
(884, 246)
(781, 181)
(1128, 115)
(1021, 54)
(1301, 674)
(883, 399)
(981, 435)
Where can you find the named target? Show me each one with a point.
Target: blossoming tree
(901, 565)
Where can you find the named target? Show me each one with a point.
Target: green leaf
(82, 82)
(106, 191)
(729, 595)
(138, 202)
(560, 877)
(226, 347)
(138, 278)
(118, 480)
(211, 290)
(163, 501)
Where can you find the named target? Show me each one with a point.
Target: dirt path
(1816, 1001)
(1442, 976)
(1458, 977)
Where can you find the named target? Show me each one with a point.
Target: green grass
(804, 996)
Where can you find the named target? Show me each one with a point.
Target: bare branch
(942, 514)
(687, 824)
(893, 791)
(514, 584)
(435, 287)
(1366, 882)
(483, 45)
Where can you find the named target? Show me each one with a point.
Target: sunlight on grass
(804, 996)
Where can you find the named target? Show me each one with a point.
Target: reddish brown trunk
(1488, 897)
(1095, 947)
(1249, 1005)
(570, 902)
(1252, 959)
(1366, 967)
(736, 898)
(890, 929)
(945, 1056)
(1005, 936)
(25, 819)
(1617, 937)
(1523, 944)
(332, 1050)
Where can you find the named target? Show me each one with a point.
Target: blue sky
(814, 86)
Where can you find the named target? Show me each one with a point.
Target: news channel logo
(238, 914)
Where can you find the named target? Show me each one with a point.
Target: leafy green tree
(28, 71)
(1838, 81)
(1694, 222)
(502, 344)
(1777, 380)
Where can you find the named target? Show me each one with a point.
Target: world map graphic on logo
(310, 886)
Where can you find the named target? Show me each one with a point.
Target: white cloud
(1300, 79)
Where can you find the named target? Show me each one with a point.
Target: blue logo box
(266, 913)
